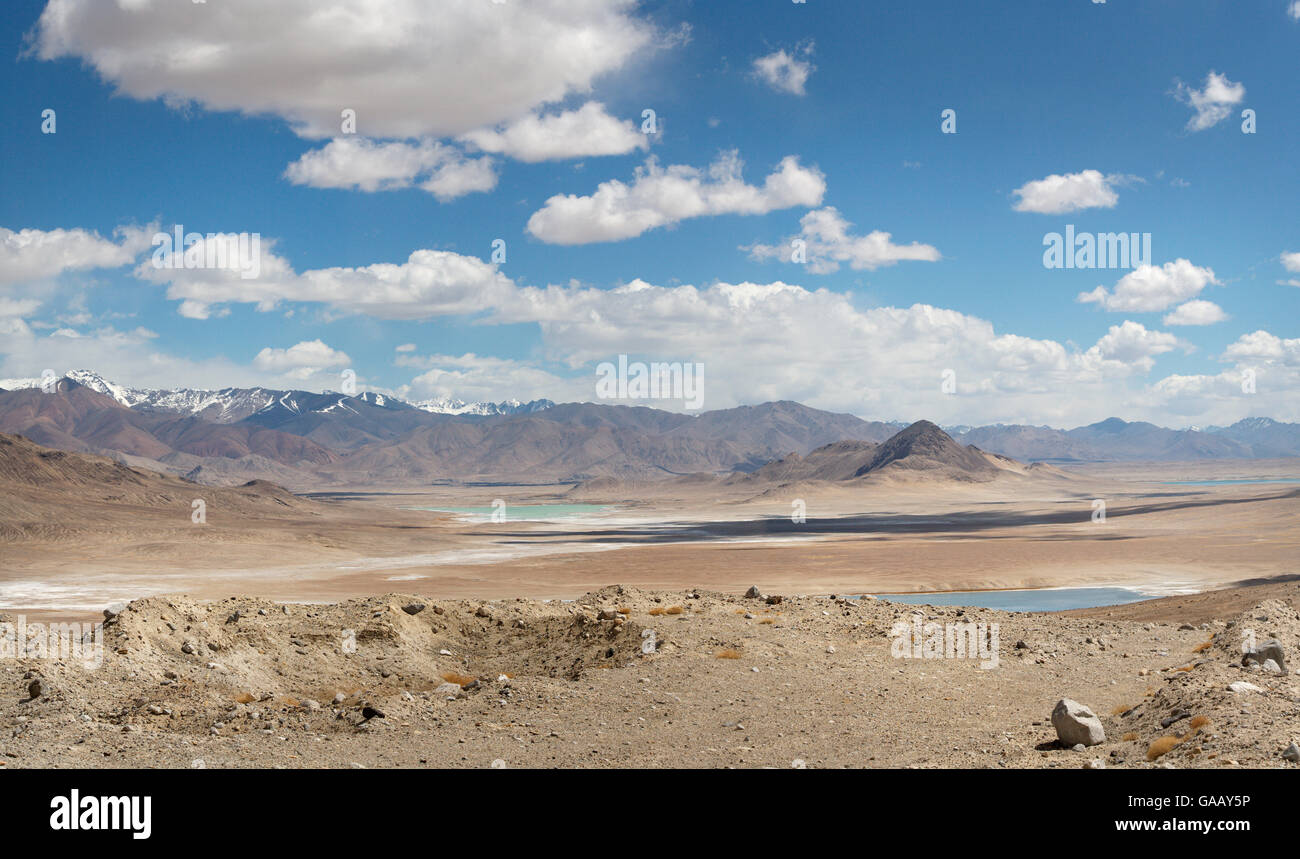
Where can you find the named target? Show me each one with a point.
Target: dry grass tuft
(1120, 710)
(727, 654)
(656, 611)
(458, 679)
(244, 698)
(674, 609)
(1201, 648)
(1162, 746)
(767, 621)
(1129, 737)
(1198, 722)
(624, 610)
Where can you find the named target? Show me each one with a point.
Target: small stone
(753, 593)
(1095, 764)
(369, 711)
(1292, 753)
(414, 608)
(34, 689)
(1242, 686)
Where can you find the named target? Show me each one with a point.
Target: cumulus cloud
(27, 255)
(1198, 312)
(587, 131)
(1071, 192)
(661, 196)
(1213, 102)
(826, 243)
(365, 165)
(1263, 346)
(302, 360)
(784, 72)
(430, 283)
(406, 69)
(1294, 10)
(1150, 288)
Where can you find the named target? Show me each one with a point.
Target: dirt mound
(1210, 707)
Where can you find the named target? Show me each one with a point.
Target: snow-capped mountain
(229, 405)
(449, 406)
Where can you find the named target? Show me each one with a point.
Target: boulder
(1076, 724)
(1271, 649)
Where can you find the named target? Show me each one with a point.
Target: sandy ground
(876, 539)
(632, 678)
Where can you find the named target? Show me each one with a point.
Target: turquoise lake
(1055, 599)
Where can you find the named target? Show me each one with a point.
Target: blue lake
(1053, 599)
(1230, 482)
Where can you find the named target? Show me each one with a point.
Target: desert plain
(370, 628)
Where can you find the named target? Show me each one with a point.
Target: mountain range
(304, 439)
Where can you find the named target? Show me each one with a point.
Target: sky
(847, 204)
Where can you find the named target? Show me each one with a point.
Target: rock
(340, 698)
(447, 689)
(414, 608)
(753, 593)
(1075, 723)
(608, 614)
(775, 599)
(1095, 764)
(1292, 753)
(1021, 645)
(1271, 649)
(188, 648)
(369, 711)
(1176, 716)
(1242, 686)
(34, 689)
(1078, 747)
(482, 612)
(1272, 667)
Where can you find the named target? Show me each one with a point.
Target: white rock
(1076, 724)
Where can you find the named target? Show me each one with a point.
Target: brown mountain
(923, 447)
(79, 419)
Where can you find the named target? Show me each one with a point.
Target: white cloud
(1213, 102)
(827, 244)
(784, 72)
(485, 378)
(1263, 346)
(1198, 312)
(364, 165)
(1294, 10)
(1150, 288)
(302, 360)
(407, 69)
(1131, 345)
(1072, 192)
(587, 131)
(660, 196)
(27, 255)
(430, 283)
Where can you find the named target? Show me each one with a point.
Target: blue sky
(509, 121)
